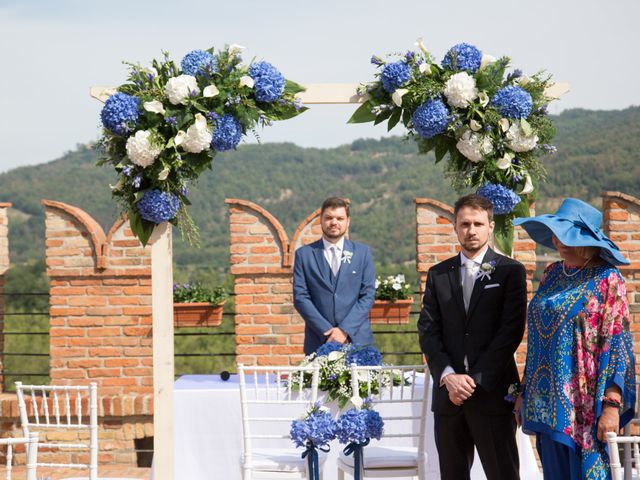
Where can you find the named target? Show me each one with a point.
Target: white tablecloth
(208, 434)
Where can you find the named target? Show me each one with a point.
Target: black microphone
(224, 375)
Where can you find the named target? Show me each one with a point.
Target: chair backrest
(400, 393)
(271, 398)
(31, 447)
(613, 441)
(54, 408)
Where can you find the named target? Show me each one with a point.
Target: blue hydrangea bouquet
(163, 127)
(313, 432)
(335, 361)
(489, 122)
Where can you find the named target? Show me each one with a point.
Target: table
(208, 434)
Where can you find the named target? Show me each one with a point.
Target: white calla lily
(397, 96)
(475, 126)
(483, 98)
(356, 401)
(335, 355)
(420, 44)
(425, 68)
(154, 106)
(487, 60)
(505, 161)
(246, 81)
(528, 185)
(235, 49)
(180, 137)
(504, 124)
(210, 91)
(164, 174)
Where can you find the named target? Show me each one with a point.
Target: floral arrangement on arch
(491, 124)
(392, 288)
(334, 360)
(163, 127)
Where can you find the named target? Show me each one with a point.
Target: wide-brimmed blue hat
(575, 224)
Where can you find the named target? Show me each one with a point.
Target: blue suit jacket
(325, 302)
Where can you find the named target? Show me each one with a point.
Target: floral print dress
(578, 345)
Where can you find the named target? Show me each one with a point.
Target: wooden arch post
(162, 287)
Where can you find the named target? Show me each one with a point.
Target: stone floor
(113, 472)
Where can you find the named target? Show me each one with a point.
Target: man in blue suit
(334, 283)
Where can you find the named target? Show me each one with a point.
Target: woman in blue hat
(579, 380)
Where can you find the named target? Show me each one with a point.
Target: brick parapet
(4, 266)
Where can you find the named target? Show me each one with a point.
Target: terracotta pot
(197, 314)
(386, 311)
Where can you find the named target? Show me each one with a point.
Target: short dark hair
(473, 201)
(335, 202)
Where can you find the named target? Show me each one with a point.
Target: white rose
(198, 136)
(178, 89)
(397, 96)
(474, 146)
(155, 106)
(518, 141)
(505, 161)
(141, 148)
(210, 91)
(246, 81)
(484, 98)
(460, 90)
(486, 60)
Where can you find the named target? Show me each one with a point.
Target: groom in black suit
(471, 323)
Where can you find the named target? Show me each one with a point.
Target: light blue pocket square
(491, 285)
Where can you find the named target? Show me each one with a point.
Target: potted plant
(392, 301)
(197, 306)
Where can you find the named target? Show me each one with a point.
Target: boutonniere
(346, 256)
(486, 269)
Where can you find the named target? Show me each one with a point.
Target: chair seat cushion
(386, 457)
(280, 460)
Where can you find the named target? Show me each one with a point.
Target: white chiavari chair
(617, 471)
(271, 399)
(31, 449)
(403, 408)
(47, 408)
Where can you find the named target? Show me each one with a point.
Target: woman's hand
(609, 421)
(517, 410)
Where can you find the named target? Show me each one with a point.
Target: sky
(53, 51)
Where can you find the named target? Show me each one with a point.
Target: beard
(474, 246)
(333, 234)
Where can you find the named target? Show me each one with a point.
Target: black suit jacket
(488, 334)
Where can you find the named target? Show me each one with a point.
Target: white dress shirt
(339, 246)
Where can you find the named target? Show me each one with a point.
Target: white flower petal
(164, 174)
(505, 161)
(210, 91)
(235, 49)
(246, 81)
(356, 401)
(154, 106)
(475, 126)
(504, 124)
(179, 137)
(484, 98)
(420, 44)
(397, 96)
(425, 68)
(486, 60)
(528, 185)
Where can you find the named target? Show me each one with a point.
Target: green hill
(598, 150)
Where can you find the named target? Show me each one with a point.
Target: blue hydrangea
(318, 429)
(364, 356)
(394, 75)
(431, 118)
(227, 134)
(463, 57)
(352, 426)
(326, 348)
(199, 62)
(375, 424)
(503, 199)
(157, 206)
(513, 101)
(268, 81)
(120, 113)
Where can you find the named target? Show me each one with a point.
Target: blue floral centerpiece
(335, 360)
(314, 431)
(355, 428)
(164, 126)
(491, 123)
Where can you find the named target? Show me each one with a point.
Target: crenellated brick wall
(4, 266)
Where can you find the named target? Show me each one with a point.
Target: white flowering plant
(164, 126)
(490, 123)
(392, 288)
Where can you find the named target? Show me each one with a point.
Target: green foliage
(195, 292)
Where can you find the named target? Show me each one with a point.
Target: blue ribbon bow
(313, 464)
(355, 448)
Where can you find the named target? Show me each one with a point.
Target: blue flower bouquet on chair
(314, 432)
(356, 427)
